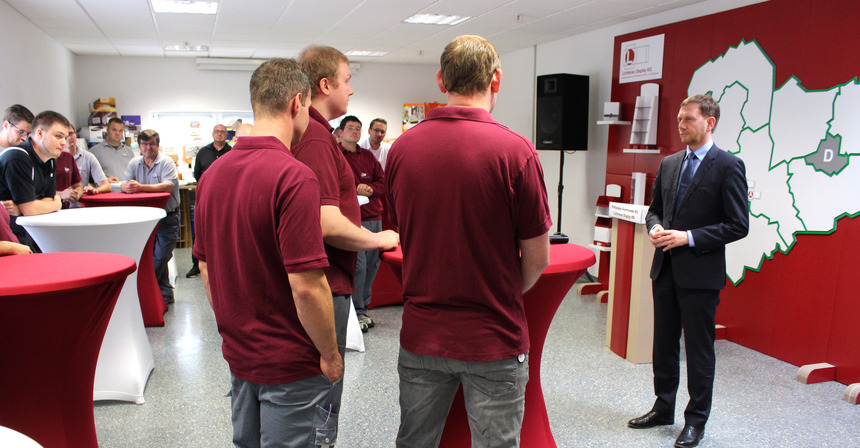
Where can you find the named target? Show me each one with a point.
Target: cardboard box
(101, 118)
(104, 104)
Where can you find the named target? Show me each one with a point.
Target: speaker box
(562, 112)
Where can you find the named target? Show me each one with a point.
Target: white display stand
(125, 360)
(640, 324)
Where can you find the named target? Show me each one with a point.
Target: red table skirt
(51, 331)
(567, 263)
(152, 304)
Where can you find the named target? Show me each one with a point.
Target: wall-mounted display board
(790, 109)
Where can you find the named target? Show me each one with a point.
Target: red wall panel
(802, 307)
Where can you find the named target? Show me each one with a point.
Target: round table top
(10, 438)
(93, 216)
(562, 258)
(145, 199)
(39, 273)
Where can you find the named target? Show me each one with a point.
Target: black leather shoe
(650, 420)
(690, 436)
(194, 272)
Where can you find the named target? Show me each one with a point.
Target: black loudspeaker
(562, 112)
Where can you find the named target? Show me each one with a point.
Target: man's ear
(325, 86)
(496, 82)
(296, 105)
(439, 82)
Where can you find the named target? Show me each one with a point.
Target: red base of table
(49, 344)
(568, 262)
(152, 305)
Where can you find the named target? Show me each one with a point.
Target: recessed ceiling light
(366, 53)
(184, 6)
(186, 47)
(436, 19)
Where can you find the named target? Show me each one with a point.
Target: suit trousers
(693, 310)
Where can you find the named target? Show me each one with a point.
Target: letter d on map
(828, 155)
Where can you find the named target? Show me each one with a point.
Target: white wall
(142, 85)
(585, 54)
(382, 89)
(37, 71)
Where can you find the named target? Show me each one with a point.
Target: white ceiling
(280, 28)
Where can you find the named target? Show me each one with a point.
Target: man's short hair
(275, 83)
(707, 106)
(468, 64)
(48, 118)
(17, 113)
(116, 120)
(321, 62)
(148, 135)
(377, 120)
(348, 119)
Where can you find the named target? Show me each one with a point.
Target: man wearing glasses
(17, 125)
(373, 143)
(205, 157)
(27, 183)
(152, 172)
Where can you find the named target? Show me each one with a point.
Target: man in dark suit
(700, 204)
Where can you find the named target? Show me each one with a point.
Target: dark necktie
(686, 177)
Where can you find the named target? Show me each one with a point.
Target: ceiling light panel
(436, 19)
(184, 6)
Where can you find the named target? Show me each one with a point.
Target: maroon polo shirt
(463, 190)
(6, 233)
(367, 170)
(319, 151)
(67, 173)
(256, 221)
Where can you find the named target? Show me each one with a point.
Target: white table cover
(125, 360)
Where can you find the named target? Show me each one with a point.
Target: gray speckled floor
(590, 393)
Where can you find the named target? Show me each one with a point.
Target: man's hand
(131, 186)
(113, 180)
(364, 190)
(10, 248)
(90, 190)
(11, 208)
(667, 239)
(332, 366)
(69, 195)
(388, 240)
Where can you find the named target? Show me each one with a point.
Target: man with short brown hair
(27, 183)
(472, 245)
(374, 143)
(112, 153)
(153, 172)
(699, 205)
(17, 125)
(265, 280)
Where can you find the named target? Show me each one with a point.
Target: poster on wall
(641, 59)
(414, 113)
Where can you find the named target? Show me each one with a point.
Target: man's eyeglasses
(217, 131)
(21, 132)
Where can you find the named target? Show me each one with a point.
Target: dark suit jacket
(715, 209)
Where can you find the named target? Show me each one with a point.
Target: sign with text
(628, 212)
(641, 59)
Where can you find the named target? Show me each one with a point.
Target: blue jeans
(366, 266)
(297, 414)
(494, 393)
(166, 236)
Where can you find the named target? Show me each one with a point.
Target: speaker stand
(558, 237)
